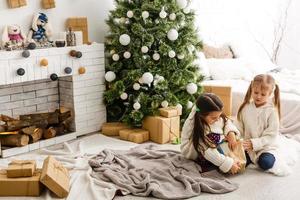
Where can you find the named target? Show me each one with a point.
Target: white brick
(66, 84)
(34, 146)
(94, 68)
(80, 125)
(11, 105)
(48, 106)
(96, 95)
(79, 99)
(4, 99)
(35, 86)
(14, 151)
(94, 54)
(6, 112)
(23, 96)
(66, 91)
(47, 142)
(53, 98)
(95, 108)
(65, 138)
(24, 110)
(46, 92)
(87, 90)
(52, 84)
(93, 82)
(11, 90)
(99, 61)
(36, 101)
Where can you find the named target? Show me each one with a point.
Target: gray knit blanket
(148, 170)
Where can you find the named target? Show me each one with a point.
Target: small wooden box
(224, 92)
(47, 4)
(16, 3)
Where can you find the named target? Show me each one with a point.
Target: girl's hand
(235, 167)
(248, 146)
(231, 140)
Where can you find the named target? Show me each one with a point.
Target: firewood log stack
(34, 127)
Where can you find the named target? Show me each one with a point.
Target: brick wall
(29, 97)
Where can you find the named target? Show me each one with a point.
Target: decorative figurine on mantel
(13, 37)
(71, 38)
(40, 31)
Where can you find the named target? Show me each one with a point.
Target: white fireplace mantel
(80, 92)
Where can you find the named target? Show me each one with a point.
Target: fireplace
(76, 89)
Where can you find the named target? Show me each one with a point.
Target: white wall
(95, 10)
(250, 26)
(289, 55)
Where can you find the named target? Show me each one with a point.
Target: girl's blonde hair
(266, 82)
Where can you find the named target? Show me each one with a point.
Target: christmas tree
(151, 49)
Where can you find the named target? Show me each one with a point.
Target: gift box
(21, 168)
(113, 128)
(238, 154)
(55, 177)
(170, 111)
(162, 129)
(225, 94)
(134, 135)
(47, 4)
(24, 186)
(16, 3)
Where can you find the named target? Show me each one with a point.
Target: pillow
(202, 64)
(259, 66)
(222, 69)
(213, 52)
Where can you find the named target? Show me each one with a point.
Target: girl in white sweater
(258, 122)
(205, 128)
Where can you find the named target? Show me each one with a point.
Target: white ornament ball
(112, 52)
(127, 54)
(172, 34)
(181, 3)
(187, 10)
(147, 78)
(145, 14)
(136, 86)
(156, 56)
(136, 106)
(110, 76)
(156, 21)
(189, 105)
(164, 104)
(122, 20)
(116, 57)
(191, 48)
(172, 54)
(179, 106)
(180, 56)
(172, 16)
(191, 88)
(144, 49)
(163, 14)
(129, 14)
(124, 39)
(124, 96)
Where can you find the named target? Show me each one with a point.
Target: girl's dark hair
(206, 103)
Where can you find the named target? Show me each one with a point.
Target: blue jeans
(265, 160)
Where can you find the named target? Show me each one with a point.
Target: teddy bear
(41, 31)
(13, 37)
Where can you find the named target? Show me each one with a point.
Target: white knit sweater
(211, 154)
(261, 126)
